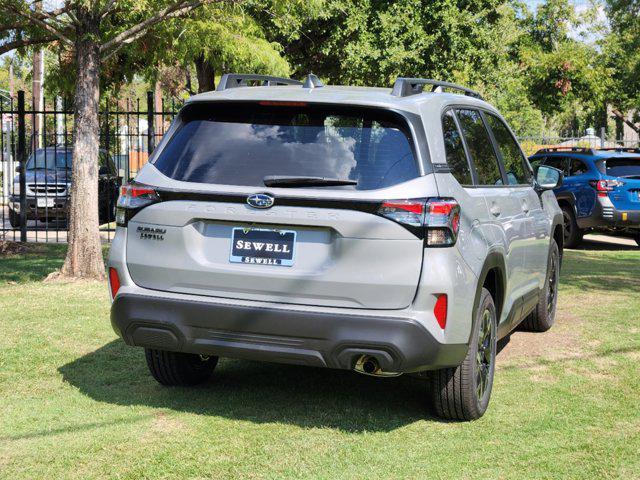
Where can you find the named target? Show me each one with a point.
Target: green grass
(75, 402)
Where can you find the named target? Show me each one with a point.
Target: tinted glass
(480, 147)
(558, 162)
(578, 167)
(240, 144)
(512, 158)
(623, 167)
(456, 158)
(50, 159)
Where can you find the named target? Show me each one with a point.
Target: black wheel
(172, 368)
(463, 392)
(572, 233)
(14, 219)
(543, 317)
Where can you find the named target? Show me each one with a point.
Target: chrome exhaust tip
(369, 365)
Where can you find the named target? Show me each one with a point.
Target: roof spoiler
(404, 87)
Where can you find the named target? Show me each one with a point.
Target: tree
(94, 31)
(621, 49)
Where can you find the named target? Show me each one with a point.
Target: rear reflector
(440, 310)
(114, 282)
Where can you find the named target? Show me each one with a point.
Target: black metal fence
(36, 143)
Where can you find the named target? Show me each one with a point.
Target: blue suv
(601, 189)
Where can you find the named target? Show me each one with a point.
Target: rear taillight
(114, 281)
(603, 187)
(132, 198)
(437, 220)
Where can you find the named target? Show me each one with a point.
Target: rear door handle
(495, 210)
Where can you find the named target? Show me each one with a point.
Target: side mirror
(548, 178)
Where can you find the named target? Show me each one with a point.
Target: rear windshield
(241, 143)
(623, 167)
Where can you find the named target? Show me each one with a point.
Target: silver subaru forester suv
(384, 231)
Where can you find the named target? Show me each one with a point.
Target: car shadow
(256, 392)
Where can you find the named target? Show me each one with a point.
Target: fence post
(150, 123)
(602, 135)
(21, 154)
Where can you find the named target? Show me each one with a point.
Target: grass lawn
(75, 402)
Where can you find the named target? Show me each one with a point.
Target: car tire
(179, 369)
(14, 219)
(572, 233)
(463, 392)
(543, 317)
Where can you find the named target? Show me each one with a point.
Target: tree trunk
(84, 255)
(206, 74)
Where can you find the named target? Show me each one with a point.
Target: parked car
(601, 190)
(376, 230)
(48, 186)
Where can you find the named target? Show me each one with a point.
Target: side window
(558, 162)
(456, 158)
(480, 147)
(578, 167)
(512, 158)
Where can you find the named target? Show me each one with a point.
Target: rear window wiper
(292, 181)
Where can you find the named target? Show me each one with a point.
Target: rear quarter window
(241, 143)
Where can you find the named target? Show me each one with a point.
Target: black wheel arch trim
(494, 260)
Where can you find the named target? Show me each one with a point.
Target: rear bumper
(59, 210)
(279, 335)
(607, 215)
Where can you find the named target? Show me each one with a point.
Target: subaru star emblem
(260, 200)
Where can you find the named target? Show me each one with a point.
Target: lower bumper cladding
(312, 338)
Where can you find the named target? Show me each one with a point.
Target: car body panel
(351, 263)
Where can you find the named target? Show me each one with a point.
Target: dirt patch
(561, 342)
(163, 423)
(9, 249)
(59, 277)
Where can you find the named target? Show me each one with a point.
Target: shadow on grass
(33, 264)
(34, 261)
(617, 271)
(256, 392)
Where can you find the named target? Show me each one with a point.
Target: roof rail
(404, 87)
(585, 150)
(621, 149)
(233, 80)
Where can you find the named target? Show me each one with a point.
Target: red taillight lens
(442, 221)
(603, 187)
(133, 197)
(437, 219)
(440, 310)
(114, 281)
(406, 212)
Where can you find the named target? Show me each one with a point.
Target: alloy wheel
(485, 354)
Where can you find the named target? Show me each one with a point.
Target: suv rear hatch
(322, 244)
(627, 171)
